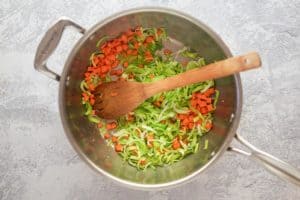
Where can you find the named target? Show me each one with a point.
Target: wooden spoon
(117, 98)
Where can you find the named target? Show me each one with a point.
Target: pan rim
(231, 130)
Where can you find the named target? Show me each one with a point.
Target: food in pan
(166, 127)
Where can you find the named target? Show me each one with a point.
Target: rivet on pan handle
(271, 163)
(49, 43)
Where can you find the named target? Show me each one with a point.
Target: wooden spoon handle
(212, 71)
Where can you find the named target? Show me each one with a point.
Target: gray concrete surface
(36, 160)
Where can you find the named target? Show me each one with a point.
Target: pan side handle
(49, 43)
(276, 166)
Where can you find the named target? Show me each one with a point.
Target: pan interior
(85, 136)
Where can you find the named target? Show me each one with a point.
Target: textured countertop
(36, 159)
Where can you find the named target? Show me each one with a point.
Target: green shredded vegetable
(205, 144)
(103, 39)
(188, 54)
(94, 119)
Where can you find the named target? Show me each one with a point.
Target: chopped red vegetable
(106, 136)
(118, 148)
(110, 126)
(176, 144)
(208, 126)
(114, 139)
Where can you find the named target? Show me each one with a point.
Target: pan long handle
(271, 163)
(49, 43)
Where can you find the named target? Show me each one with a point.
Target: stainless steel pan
(85, 138)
